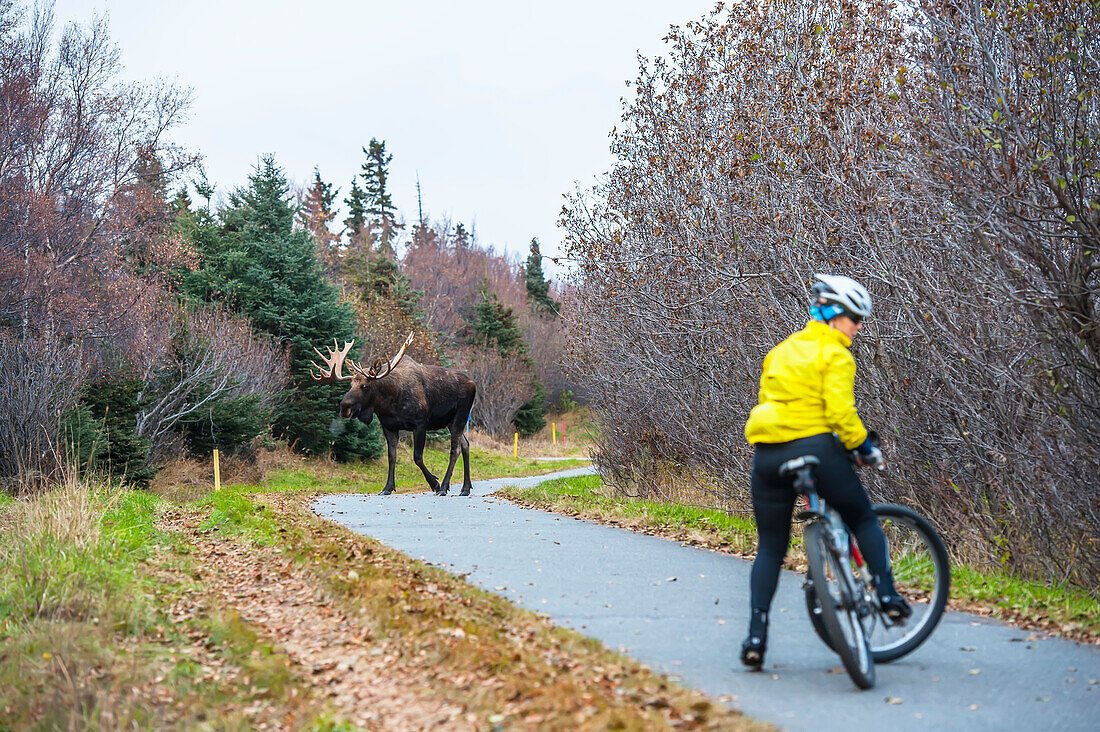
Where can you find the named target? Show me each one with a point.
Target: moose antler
(376, 369)
(334, 360)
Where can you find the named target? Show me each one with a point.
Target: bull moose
(406, 395)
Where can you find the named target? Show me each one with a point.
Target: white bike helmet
(846, 295)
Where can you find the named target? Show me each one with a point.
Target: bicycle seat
(797, 464)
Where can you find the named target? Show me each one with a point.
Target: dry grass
(185, 479)
(70, 514)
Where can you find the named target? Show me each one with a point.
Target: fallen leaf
(967, 648)
(975, 671)
(893, 700)
(670, 579)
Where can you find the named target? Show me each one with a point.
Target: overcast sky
(500, 106)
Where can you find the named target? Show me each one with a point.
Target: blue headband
(825, 313)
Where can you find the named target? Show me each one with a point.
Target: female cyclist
(807, 407)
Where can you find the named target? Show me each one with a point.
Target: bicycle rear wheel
(922, 573)
(839, 613)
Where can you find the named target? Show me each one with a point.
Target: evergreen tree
(461, 238)
(380, 209)
(260, 266)
(181, 205)
(357, 210)
(381, 278)
(531, 417)
(495, 325)
(538, 287)
(204, 188)
(101, 432)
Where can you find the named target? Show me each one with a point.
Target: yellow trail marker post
(515, 446)
(553, 433)
(217, 472)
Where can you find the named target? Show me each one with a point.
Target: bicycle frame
(816, 509)
(814, 505)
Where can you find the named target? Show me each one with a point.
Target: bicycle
(843, 606)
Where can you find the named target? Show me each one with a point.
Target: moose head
(359, 377)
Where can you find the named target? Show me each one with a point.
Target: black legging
(773, 500)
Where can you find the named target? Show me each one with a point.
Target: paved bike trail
(684, 610)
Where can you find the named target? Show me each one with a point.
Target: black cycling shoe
(896, 608)
(752, 651)
(754, 647)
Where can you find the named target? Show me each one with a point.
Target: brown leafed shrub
(778, 140)
(39, 375)
(504, 384)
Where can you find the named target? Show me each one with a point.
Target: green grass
(369, 477)
(1070, 608)
(586, 495)
(105, 621)
(233, 512)
(74, 555)
(1065, 609)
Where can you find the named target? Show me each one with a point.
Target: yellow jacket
(806, 390)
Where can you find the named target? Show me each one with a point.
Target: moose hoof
(440, 492)
(465, 492)
(385, 491)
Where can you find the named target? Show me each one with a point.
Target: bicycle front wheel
(922, 574)
(839, 612)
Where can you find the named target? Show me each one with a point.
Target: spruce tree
(260, 266)
(538, 287)
(495, 325)
(381, 212)
(461, 238)
(381, 278)
(357, 210)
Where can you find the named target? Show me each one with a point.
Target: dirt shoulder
(391, 643)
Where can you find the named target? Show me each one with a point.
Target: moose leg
(391, 455)
(418, 457)
(456, 437)
(466, 484)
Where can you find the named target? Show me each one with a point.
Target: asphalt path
(684, 610)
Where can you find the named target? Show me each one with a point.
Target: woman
(807, 407)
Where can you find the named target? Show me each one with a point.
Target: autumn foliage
(136, 325)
